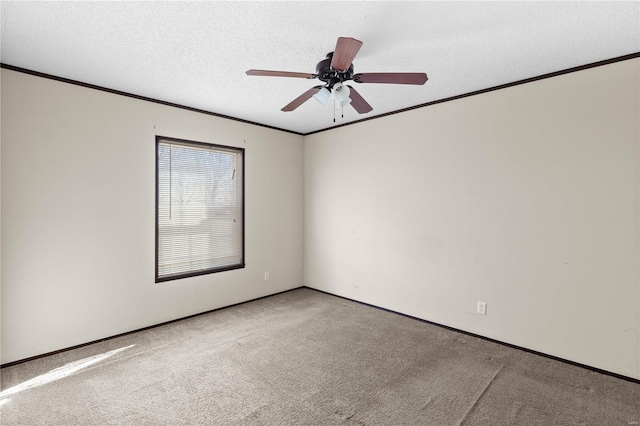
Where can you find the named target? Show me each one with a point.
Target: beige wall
(525, 198)
(78, 215)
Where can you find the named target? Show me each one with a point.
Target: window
(199, 208)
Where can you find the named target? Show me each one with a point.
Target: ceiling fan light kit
(334, 71)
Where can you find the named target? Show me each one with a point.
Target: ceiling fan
(334, 71)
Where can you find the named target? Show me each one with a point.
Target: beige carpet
(308, 358)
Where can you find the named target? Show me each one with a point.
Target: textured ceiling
(196, 53)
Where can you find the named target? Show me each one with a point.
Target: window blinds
(199, 218)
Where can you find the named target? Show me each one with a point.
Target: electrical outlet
(482, 308)
(266, 276)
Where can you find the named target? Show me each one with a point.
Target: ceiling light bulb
(322, 96)
(341, 92)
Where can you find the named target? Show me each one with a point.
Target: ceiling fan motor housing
(329, 75)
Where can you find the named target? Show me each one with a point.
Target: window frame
(242, 264)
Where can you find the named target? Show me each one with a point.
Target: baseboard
(531, 351)
(9, 364)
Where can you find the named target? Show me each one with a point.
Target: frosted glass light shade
(322, 96)
(341, 92)
(341, 104)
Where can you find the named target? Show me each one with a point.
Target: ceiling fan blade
(392, 77)
(358, 102)
(268, 73)
(301, 99)
(346, 49)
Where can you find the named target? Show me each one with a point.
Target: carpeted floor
(308, 358)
